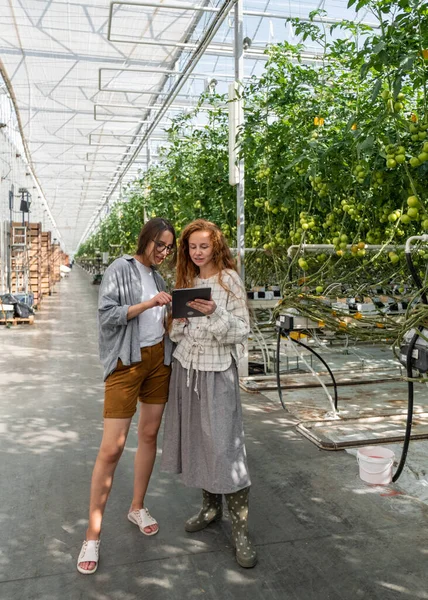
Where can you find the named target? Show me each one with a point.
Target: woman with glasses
(136, 354)
(204, 437)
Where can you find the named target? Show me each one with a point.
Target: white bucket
(375, 464)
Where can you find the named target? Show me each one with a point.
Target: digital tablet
(181, 297)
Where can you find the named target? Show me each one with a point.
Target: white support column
(240, 187)
(148, 158)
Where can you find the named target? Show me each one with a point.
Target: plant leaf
(376, 89)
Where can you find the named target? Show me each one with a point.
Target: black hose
(410, 386)
(278, 378)
(324, 363)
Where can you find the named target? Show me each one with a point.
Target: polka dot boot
(237, 504)
(212, 510)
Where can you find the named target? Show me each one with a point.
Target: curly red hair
(222, 257)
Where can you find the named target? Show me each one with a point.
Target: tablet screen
(181, 297)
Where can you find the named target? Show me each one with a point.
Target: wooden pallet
(18, 321)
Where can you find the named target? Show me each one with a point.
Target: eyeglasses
(161, 247)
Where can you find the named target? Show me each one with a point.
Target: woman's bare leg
(148, 427)
(112, 445)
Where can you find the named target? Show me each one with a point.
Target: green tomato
(413, 213)
(415, 162)
(319, 289)
(412, 201)
(425, 223)
(423, 156)
(400, 158)
(391, 163)
(405, 219)
(422, 135)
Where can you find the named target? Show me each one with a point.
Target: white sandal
(90, 552)
(142, 518)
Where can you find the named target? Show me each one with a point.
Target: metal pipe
(165, 72)
(414, 238)
(273, 15)
(151, 107)
(171, 5)
(215, 49)
(309, 247)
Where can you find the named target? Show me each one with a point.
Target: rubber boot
(212, 510)
(237, 504)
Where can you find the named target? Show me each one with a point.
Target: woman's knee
(110, 453)
(148, 433)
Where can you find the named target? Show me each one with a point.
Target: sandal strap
(89, 551)
(145, 517)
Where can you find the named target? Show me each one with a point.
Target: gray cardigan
(119, 338)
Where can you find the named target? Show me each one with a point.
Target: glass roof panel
(86, 85)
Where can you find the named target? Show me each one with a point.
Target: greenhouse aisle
(321, 533)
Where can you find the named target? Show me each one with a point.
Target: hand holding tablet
(192, 302)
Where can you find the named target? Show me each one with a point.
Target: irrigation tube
(278, 377)
(334, 405)
(409, 356)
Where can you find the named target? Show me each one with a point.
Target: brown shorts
(146, 381)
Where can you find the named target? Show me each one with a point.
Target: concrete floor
(321, 533)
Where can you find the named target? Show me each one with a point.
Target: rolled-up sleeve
(177, 331)
(110, 312)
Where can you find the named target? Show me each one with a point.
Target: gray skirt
(203, 432)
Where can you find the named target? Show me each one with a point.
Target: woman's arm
(110, 310)
(160, 299)
(229, 325)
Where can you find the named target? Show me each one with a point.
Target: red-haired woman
(204, 438)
